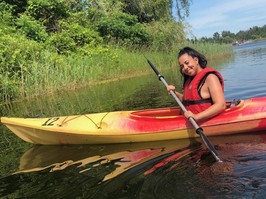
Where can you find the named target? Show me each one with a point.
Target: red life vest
(192, 99)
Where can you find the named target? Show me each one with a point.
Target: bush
(121, 26)
(63, 43)
(15, 51)
(31, 28)
(80, 34)
(48, 12)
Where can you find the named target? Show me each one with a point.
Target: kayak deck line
(98, 125)
(137, 126)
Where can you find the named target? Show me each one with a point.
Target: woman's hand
(189, 114)
(170, 88)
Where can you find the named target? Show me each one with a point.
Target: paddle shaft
(199, 130)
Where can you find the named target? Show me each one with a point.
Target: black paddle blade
(209, 145)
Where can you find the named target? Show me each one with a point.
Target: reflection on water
(90, 166)
(126, 156)
(244, 173)
(142, 170)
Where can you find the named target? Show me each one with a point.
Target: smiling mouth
(188, 72)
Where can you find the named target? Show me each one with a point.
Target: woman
(203, 86)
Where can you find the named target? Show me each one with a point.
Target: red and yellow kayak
(136, 126)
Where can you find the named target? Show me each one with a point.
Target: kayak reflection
(126, 156)
(123, 156)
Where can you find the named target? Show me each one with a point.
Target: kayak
(158, 124)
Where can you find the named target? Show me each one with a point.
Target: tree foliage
(159, 10)
(71, 24)
(149, 10)
(31, 28)
(73, 28)
(48, 12)
(122, 26)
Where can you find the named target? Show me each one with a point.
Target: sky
(209, 16)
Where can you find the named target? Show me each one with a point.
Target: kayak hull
(136, 126)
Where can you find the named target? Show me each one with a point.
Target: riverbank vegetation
(60, 44)
(252, 34)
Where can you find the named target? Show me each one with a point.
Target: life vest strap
(202, 101)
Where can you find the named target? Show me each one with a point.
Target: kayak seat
(233, 103)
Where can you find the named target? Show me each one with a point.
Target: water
(245, 75)
(166, 169)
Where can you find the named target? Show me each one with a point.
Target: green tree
(122, 26)
(18, 6)
(32, 28)
(48, 12)
(165, 37)
(216, 36)
(159, 10)
(6, 17)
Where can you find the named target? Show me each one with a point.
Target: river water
(166, 169)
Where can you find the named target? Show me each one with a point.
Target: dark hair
(193, 53)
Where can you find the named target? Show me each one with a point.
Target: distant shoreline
(236, 43)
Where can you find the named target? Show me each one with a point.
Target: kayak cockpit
(157, 113)
(174, 112)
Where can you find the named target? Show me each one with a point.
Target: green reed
(50, 72)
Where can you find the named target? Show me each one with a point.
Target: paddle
(199, 130)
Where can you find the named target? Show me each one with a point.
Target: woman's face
(189, 65)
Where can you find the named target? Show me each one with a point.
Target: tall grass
(213, 50)
(49, 72)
